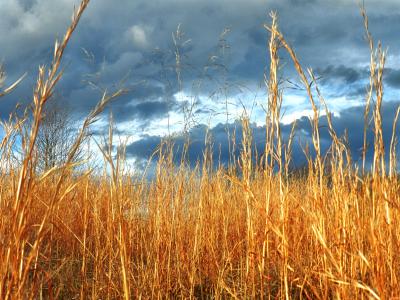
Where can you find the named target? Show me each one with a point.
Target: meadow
(258, 230)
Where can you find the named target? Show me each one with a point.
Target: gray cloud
(131, 40)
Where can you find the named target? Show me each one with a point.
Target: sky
(222, 49)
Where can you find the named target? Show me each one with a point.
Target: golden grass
(254, 232)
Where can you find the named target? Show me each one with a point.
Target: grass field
(258, 230)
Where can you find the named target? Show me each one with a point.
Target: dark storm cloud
(147, 145)
(346, 74)
(349, 125)
(392, 77)
(144, 112)
(131, 41)
(148, 109)
(221, 141)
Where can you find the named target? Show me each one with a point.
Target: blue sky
(223, 56)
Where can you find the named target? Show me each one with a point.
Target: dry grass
(254, 232)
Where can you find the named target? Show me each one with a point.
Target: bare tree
(56, 136)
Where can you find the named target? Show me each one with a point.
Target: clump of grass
(252, 232)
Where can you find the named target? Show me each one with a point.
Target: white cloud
(291, 117)
(137, 34)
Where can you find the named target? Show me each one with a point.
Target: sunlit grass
(258, 230)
